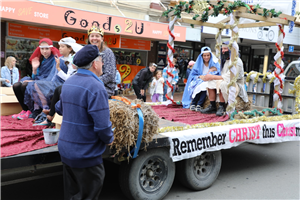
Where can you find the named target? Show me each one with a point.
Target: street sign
(291, 48)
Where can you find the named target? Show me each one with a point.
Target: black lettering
(95, 23)
(107, 24)
(176, 143)
(183, 146)
(273, 132)
(219, 139)
(64, 35)
(224, 136)
(71, 20)
(199, 144)
(84, 23)
(298, 131)
(214, 140)
(137, 28)
(207, 142)
(190, 143)
(83, 38)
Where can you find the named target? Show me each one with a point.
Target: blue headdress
(197, 70)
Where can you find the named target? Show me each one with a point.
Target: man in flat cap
(86, 127)
(217, 86)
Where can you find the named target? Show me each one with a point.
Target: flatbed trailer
(151, 174)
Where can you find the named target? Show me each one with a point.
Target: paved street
(248, 171)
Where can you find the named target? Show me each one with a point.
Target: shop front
(129, 39)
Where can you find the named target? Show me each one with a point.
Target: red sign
(135, 44)
(34, 12)
(112, 41)
(128, 72)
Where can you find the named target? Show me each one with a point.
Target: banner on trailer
(193, 142)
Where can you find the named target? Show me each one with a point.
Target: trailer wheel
(149, 176)
(200, 172)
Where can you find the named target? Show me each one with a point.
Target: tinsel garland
(232, 122)
(292, 23)
(232, 67)
(219, 42)
(296, 91)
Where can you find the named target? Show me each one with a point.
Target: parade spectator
(189, 68)
(118, 81)
(141, 81)
(86, 127)
(10, 72)
(95, 37)
(49, 91)
(196, 87)
(156, 87)
(218, 85)
(43, 67)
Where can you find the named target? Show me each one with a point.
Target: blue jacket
(5, 73)
(86, 125)
(187, 73)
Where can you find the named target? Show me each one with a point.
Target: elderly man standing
(218, 85)
(86, 127)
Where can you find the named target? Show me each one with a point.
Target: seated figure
(195, 90)
(218, 85)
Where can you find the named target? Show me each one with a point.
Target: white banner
(193, 142)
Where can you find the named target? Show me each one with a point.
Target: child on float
(157, 87)
(10, 72)
(43, 63)
(51, 90)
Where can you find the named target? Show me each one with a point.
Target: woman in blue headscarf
(195, 89)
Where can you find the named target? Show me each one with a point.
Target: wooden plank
(200, 23)
(257, 24)
(7, 91)
(261, 18)
(227, 19)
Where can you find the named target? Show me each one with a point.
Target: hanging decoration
(278, 72)
(170, 67)
(219, 43)
(292, 23)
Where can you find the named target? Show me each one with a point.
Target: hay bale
(125, 120)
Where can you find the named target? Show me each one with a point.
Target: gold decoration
(296, 91)
(242, 121)
(96, 29)
(200, 6)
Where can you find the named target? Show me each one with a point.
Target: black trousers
(54, 100)
(19, 90)
(83, 183)
(137, 91)
(199, 98)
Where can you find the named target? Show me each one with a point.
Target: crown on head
(96, 29)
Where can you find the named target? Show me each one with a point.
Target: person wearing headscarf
(195, 90)
(43, 65)
(218, 85)
(189, 68)
(96, 37)
(46, 93)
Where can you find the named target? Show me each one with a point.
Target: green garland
(188, 8)
(253, 113)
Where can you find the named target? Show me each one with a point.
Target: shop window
(22, 49)
(129, 57)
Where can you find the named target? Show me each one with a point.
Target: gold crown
(96, 29)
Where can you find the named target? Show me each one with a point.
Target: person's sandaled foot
(44, 123)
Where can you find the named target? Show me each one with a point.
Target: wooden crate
(9, 102)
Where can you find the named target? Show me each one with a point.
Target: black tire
(149, 176)
(200, 172)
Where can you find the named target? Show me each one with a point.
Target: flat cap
(86, 55)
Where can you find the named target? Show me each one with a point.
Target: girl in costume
(43, 63)
(46, 90)
(195, 89)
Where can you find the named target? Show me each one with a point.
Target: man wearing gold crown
(96, 37)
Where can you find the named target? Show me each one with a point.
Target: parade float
(150, 143)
